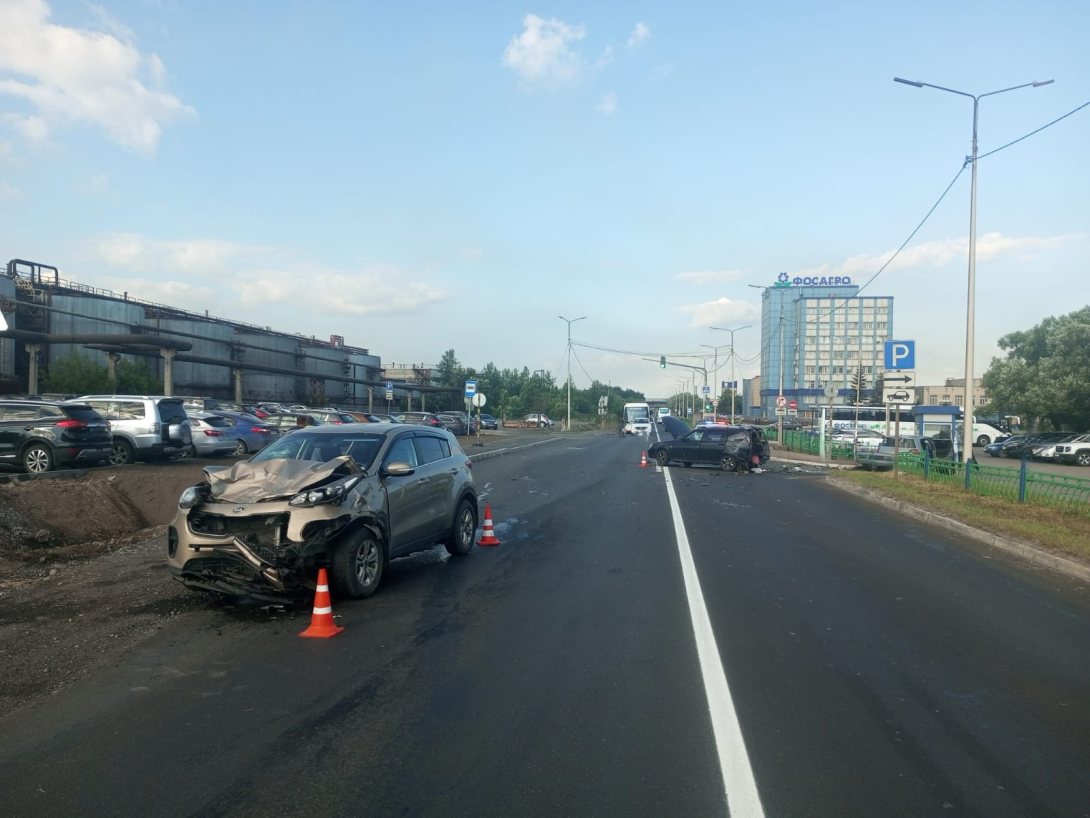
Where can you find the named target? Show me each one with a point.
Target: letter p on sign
(900, 355)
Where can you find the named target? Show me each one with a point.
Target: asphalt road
(858, 664)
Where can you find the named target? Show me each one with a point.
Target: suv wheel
(37, 459)
(359, 563)
(662, 456)
(460, 541)
(188, 453)
(727, 463)
(121, 454)
(1083, 458)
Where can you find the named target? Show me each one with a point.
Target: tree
(859, 388)
(75, 375)
(448, 372)
(1044, 373)
(879, 388)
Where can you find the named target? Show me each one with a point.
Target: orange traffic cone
(643, 460)
(488, 536)
(321, 620)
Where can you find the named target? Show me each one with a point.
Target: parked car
(488, 421)
(350, 497)
(881, 457)
(213, 436)
(144, 427)
(252, 433)
(470, 421)
(290, 421)
(332, 416)
(731, 448)
(40, 435)
(421, 419)
(1024, 447)
(540, 421)
(995, 448)
(1076, 450)
(1046, 449)
(453, 424)
(382, 418)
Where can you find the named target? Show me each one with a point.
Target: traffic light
(662, 362)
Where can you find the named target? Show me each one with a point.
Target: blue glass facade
(822, 335)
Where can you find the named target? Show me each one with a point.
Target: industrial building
(50, 318)
(816, 333)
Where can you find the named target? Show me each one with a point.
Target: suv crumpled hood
(247, 482)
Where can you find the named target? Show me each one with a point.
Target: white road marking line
(739, 785)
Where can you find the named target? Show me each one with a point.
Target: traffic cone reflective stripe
(321, 619)
(643, 460)
(488, 536)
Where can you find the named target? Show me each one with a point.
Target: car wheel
(983, 440)
(727, 463)
(188, 453)
(1083, 458)
(460, 540)
(37, 459)
(122, 453)
(240, 448)
(662, 457)
(359, 563)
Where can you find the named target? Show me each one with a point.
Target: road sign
(781, 402)
(471, 388)
(389, 390)
(898, 386)
(781, 410)
(899, 355)
(479, 399)
(792, 405)
(730, 384)
(793, 412)
(705, 389)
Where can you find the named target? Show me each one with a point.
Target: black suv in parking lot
(40, 435)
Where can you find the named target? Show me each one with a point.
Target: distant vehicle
(540, 421)
(253, 434)
(453, 424)
(1046, 450)
(633, 412)
(421, 419)
(213, 435)
(881, 457)
(489, 422)
(664, 411)
(144, 427)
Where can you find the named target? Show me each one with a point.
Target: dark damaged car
(348, 497)
(731, 448)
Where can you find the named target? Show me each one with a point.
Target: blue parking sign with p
(900, 355)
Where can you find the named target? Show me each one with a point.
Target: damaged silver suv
(349, 497)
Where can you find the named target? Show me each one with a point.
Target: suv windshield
(360, 446)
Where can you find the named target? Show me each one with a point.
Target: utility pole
(734, 383)
(570, 321)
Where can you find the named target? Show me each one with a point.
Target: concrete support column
(111, 369)
(32, 351)
(371, 399)
(168, 370)
(238, 384)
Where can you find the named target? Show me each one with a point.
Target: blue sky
(425, 176)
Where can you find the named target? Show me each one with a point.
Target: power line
(1031, 133)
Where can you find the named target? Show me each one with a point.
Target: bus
(633, 412)
(874, 417)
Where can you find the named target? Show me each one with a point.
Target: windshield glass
(302, 445)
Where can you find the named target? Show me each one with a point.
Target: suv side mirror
(396, 468)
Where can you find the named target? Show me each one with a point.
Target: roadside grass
(1065, 530)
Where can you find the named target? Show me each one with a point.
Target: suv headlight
(192, 496)
(332, 493)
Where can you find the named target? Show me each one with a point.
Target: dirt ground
(82, 572)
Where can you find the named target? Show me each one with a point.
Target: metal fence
(1021, 485)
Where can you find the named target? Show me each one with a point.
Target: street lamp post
(715, 371)
(970, 309)
(734, 383)
(570, 322)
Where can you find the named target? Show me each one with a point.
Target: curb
(1019, 548)
(818, 464)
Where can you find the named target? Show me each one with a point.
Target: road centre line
(739, 785)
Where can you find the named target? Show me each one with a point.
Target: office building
(816, 333)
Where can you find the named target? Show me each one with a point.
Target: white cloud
(941, 252)
(640, 35)
(542, 55)
(720, 310)
(605, 59)
(710, 276)
(9, 191)
(33, 128)
(178, 294)
(196, 257)
(608, 105)
(71, 75)
(375, 290)
(93, 184)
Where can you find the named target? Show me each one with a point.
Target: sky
(418, 177)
